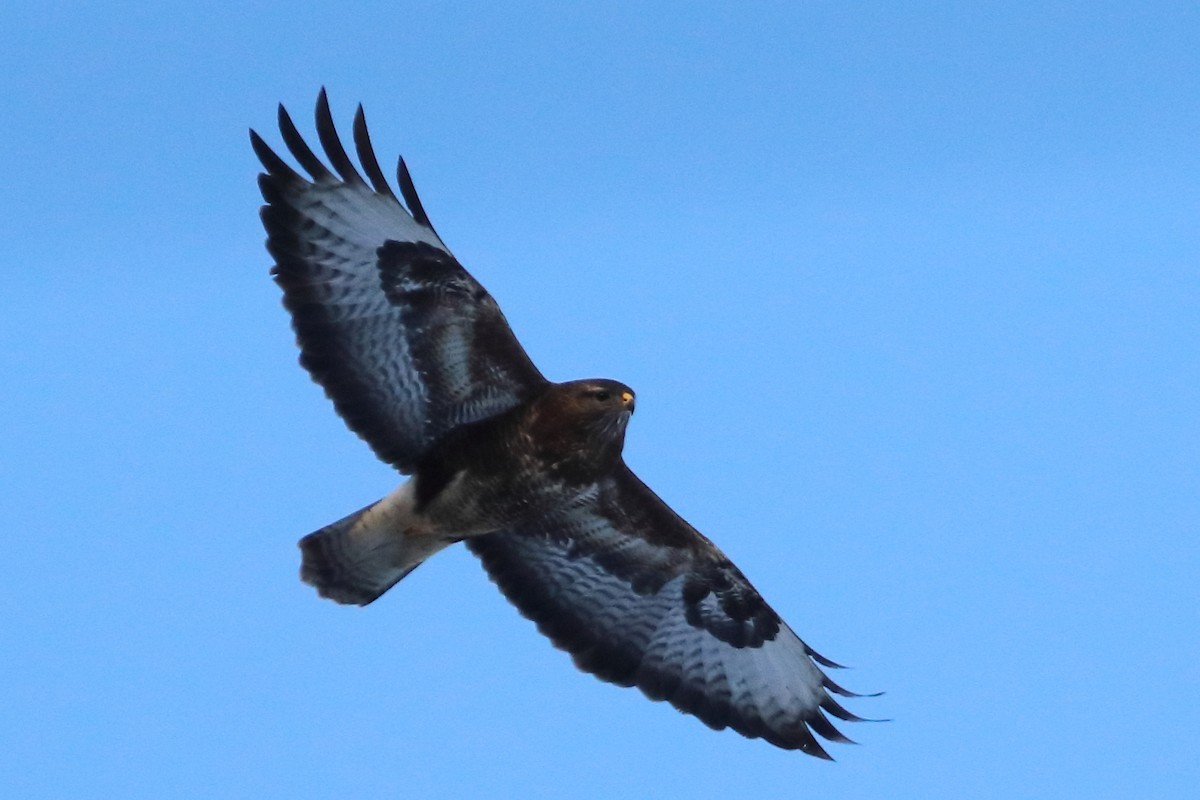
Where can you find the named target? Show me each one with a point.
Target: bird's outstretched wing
(405, 342)
(640, 598)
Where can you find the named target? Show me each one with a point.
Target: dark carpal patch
(421, 275)
(721, 601)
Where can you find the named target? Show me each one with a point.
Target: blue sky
(910, 297)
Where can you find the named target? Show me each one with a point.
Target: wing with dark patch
(640, 598)
(404, 341)
(458, 338)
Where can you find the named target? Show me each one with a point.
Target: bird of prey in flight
(420, 362)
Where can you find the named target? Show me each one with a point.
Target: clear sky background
(910, 297)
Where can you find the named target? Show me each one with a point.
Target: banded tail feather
(361, 556)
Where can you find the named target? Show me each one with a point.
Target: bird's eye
(602, 395)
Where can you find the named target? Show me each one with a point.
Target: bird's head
(587, 418)
(599, 397)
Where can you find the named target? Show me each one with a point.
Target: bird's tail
(359, 557)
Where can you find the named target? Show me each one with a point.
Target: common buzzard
(420, 362)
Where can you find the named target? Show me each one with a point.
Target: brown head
(581, 424)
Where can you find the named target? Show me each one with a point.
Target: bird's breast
(473, 503)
